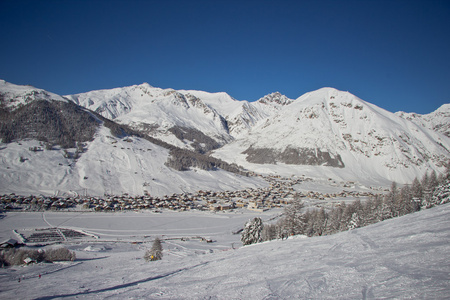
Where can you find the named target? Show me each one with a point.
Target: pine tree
(269, 232)
(425, 181)
(416, 189)
(404, 201)
(432, 180)
(346, 215)
(334, 220)
(320, 219)
(371, 211)
(441, 194)
(252, 232)
(155, 253)
(357, 215)
(388, 208)
(294, 220)
(355, 221)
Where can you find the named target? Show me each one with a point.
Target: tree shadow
(93, 258)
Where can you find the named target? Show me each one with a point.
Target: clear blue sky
(395, 54)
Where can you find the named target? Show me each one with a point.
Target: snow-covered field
(401, 258)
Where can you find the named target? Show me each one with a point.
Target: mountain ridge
(323, 133)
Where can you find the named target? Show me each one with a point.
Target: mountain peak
(145, 85)
(275, 98)
(444, 108)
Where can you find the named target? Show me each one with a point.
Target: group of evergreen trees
(183, 160)
(55, 122)
(199, 141)
(13, 256)
(428, 192)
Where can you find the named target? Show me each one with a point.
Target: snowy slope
(328, 127)
(156, 111)
(109, 165)
(401, 258)
(276, 134)
(240, 115)
(241, 121)
(438, 120)
(13, 96)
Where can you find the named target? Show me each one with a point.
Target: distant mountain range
(324, 133)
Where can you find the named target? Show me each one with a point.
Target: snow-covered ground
(109, 165)
(401, 258)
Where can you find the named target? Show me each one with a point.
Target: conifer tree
(155, 253)
(432, 180)
(294, 220)
(252, 232)
(334, 220)
(424, 182)
(416, 189)
(320, 219)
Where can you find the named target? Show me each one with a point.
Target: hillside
(324, 134)
(335, 129)
(55, 147)
(178, 118)
(405, 257)
(108, 165)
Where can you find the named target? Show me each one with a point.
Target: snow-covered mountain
(107, 165)
(336, 129)
(439, 120)
(50, 145)
(13, 96)
(324, 134)
(179, 118)
(182, 117)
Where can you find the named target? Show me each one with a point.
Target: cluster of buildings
(280, 192)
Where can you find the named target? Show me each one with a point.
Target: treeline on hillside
(182, 160)
(199, 141)
(53, 122)
(428, 192)
(293, 156)
(179, 159)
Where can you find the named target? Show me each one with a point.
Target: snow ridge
(438, 120)
(13, 96)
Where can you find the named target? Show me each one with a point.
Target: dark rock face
(293, 156)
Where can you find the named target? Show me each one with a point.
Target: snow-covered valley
(191, 168)
(401, 258)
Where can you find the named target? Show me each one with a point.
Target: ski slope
(401, 258)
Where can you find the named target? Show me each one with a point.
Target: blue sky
(395, 54)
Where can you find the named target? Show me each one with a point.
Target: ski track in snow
(406, 257)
